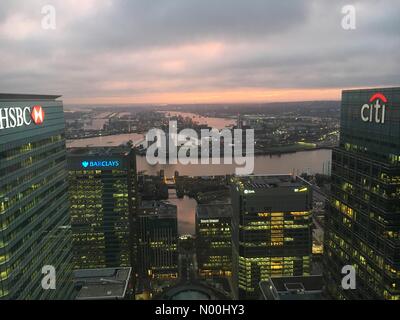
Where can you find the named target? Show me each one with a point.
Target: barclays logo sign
(100, 164)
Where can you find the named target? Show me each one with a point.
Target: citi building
(34, 215)
(363, 222)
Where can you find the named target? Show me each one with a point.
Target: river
(217, 123)
(316, 161)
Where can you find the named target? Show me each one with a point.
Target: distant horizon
(193, 104)
(285, 98)
(248, 96)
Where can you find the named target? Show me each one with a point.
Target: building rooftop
(160, 208)
(268, 181)
(102, 284)
(27, 97)
(198, 290)
(217, 210)
(371, 89)
(293, 288)
(99, 151)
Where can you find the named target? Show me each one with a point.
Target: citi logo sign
(15, 117)
(375, 111)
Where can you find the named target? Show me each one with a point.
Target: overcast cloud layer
(166, 51)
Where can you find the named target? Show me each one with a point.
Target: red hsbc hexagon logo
(37, 115)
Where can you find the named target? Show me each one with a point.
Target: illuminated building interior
(157, 240)
(363, 223)
(34, 219)
(272, 233)
(103, 201)
(213, 239)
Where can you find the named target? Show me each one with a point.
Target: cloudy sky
(194, 51)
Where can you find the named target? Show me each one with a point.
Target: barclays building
(103, 197)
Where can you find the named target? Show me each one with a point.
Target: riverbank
(283, 161)
(138, 138)
(277, 152)
(285, 150)
(113, 140)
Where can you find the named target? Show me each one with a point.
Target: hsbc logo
(18, 117)
(37, 115)
(375, 111)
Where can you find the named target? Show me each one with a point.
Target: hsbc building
(34, 212)
(362, 227)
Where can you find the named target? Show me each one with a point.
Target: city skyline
(273, 221)
(199, 150)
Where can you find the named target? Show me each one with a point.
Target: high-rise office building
(34, 217)
(103, 197)
(271, 230)
(214, 239)
(157, 240)
(363, 224)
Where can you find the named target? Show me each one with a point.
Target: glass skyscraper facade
(158, 240)
(363, 223)
(34, 216)
(103, 197)
(271, 230)
(214, 239)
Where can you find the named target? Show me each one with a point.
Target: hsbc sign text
(14, 117)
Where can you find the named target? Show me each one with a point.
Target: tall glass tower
(214, 239)
(34, 215)
(271, 231)
(363, 223)
(103, 196)
(157, 240)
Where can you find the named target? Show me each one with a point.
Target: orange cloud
(244, 95)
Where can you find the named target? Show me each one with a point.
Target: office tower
(271, 230)
(157, 240)
(363, 224)
(213, 239)
(103, 196)
(34, 216)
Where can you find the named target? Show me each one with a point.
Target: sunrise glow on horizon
(231, 96)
